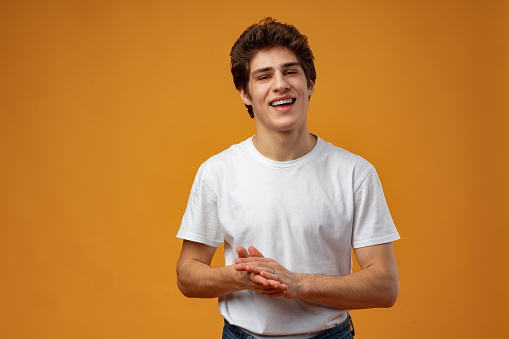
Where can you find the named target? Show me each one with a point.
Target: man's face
(278, 91)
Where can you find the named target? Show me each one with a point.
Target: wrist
(234, 278)
(303, 285)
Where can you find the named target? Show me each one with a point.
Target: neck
(284, 146)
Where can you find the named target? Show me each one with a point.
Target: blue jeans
(340, 331)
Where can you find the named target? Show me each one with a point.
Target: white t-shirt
(307, 214)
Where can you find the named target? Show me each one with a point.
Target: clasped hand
(264, 275)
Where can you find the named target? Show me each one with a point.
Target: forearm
(368, 288)
(196, 279)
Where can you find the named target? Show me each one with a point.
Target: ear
(245, 97)
(311, 88)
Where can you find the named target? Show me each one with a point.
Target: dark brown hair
(264, 35)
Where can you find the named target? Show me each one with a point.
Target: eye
(263, 77)
(290, 72)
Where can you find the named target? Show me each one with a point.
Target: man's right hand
(255, 282)
(197, 279)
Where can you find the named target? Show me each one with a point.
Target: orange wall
(107, 108)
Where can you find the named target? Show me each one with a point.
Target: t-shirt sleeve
(201, 221)
(372, 222)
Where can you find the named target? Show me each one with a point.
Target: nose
(280, 82)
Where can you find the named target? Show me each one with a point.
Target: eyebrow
(265, 69)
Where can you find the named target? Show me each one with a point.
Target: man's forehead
(275, 57)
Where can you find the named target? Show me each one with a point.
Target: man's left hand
(269, 269)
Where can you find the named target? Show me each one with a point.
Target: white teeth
(282, 102)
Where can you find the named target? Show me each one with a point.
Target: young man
(289, 207)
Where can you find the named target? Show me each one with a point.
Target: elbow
(182, 285)
(390, 288)
(390, 300)
(185, 291)
(391, 295)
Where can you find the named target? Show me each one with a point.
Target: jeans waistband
(338, 331)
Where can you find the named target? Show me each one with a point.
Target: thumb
(254, 252)
(242, 252)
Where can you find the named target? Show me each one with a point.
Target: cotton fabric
(307, 214)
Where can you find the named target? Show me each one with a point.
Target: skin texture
(282, 135)
(376, 285)
(197, 279)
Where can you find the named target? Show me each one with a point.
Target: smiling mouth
(284, 102)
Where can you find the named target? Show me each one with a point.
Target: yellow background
(107, 108)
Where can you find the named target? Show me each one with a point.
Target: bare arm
(197, 279)
(376, 285)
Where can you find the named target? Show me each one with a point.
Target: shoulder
(344, 165)
(344, 158)
(217, 168)
(228, 156)
(225, 161)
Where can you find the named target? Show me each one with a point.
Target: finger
(249, 268)
(269, 275)
(267, 284)
(253, 260)
(273, 293)
(254, 252)
(275, 284)
(256, 269)
(264, 271)
(268, 291)
(261, 281)
(242, 252)
(240, 267)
